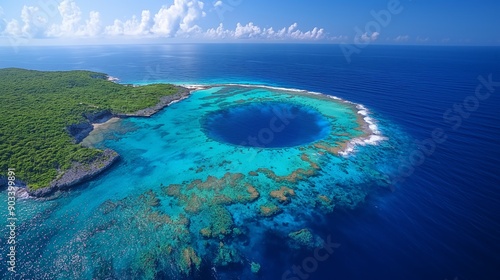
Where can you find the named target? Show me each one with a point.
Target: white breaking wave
(372, 139)
(175, 101)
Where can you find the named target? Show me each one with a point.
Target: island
(46, 114)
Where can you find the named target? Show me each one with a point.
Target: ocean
(439, 219)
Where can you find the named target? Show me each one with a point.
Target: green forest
(37, 106)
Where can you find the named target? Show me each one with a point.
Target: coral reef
(189, 260)
(294, 177)
(226, 255)
(303, 238)
(269, 209)
(325, 203)
(220, 222)
(198, 194)
(255, 267)
(283, 194)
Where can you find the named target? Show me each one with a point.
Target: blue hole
(267, 125)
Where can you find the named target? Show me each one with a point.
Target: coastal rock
(80, 131)
(98, 117)
(20, 189)
(165, 101)
(79, 173)
(21, 192)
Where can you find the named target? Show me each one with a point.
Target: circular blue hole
(267, 125)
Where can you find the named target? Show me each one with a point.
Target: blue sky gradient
(441, 22)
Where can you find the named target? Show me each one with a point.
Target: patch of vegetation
(37, 107)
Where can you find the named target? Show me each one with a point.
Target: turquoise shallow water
(180, 202)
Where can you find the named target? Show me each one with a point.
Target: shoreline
(165, 101)
(79, 172)
(100, 119)
(96, 126)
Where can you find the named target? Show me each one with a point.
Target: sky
(439, 22)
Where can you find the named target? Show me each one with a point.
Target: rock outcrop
(79, 173)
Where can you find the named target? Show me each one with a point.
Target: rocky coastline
(81, 172)
(165, 101)
(78, 173)
(81, 130)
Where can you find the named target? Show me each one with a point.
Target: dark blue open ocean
(442, 219)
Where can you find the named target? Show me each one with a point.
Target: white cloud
(402, 38)
(179, 17)
(93, 26)
(3, 22)
(33, 21)
(177, 20)
(218, 33)
(132, 26)
(252, 31)
(422, 40)
(340, 38)
(247, 31)
(12, 28)
(368, 38)
(71, 16)
(71, 24)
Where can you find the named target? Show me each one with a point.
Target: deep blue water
(442, 221)
(267, 124)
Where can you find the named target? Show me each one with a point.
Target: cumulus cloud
(3, 22)
(12, 28)
(93, 25)
(402, 38)
(252, 31)
(71, 17)
(247, 31)
(218, 33)
(72, 24)
(365, 37)
(340, 38)
(132, 26)
(176, 20)
(32, 24)
(422, 40)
